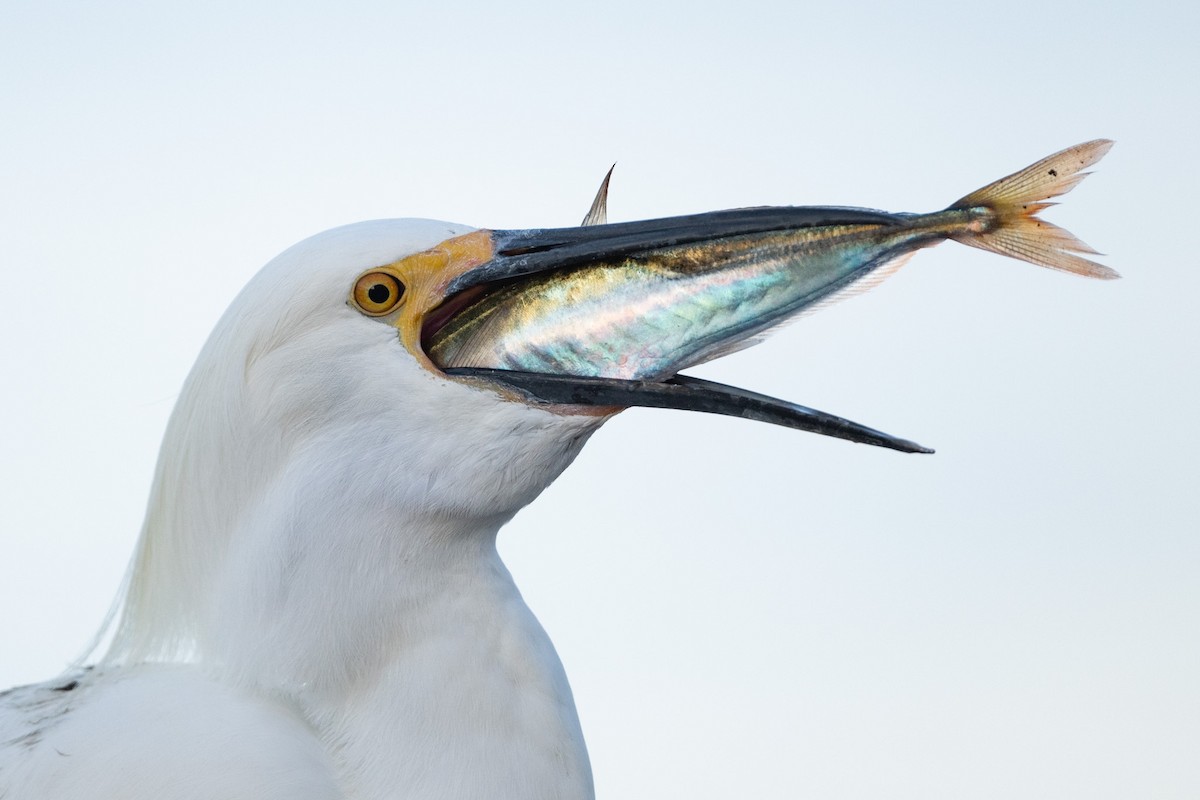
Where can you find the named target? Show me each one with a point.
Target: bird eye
(377, 293)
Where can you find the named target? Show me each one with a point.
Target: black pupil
(379, 293)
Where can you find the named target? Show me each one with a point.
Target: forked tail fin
(1015, 200)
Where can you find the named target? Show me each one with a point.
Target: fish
(641, 301)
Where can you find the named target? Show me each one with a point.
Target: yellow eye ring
(377, 293)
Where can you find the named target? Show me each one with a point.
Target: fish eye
(377, 293)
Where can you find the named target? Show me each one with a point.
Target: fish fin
(598, 213)
(865, 284)
(735, 346)
(1015, 201)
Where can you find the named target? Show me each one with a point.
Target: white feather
(316, 601)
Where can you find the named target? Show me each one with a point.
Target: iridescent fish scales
(662, 295)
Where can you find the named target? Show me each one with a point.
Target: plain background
(744, 611)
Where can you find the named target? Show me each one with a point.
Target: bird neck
(468, 699)
(409, 648)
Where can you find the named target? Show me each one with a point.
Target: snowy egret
(316, 608)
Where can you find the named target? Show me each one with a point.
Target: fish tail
(1010, 225)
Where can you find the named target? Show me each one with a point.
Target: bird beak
(444, 283)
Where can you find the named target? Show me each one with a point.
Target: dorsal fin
(598, 213)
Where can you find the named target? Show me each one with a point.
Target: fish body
(649, 312)
(644, 317)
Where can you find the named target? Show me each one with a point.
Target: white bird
(316, 607)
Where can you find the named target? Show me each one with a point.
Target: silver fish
(644, 300)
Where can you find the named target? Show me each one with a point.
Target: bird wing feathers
(163, 732)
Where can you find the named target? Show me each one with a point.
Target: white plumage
(316, 607)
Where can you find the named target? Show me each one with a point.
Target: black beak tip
(687, 394)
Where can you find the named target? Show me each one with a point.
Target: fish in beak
(606, 315)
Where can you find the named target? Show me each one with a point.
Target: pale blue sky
(743, 611)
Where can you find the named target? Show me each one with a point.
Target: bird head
(342, 340)
(321, 357)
